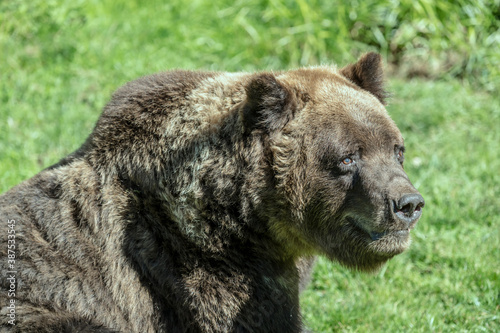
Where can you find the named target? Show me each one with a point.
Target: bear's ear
(268, 106)
(368, 74)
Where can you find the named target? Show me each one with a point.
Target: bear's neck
(199, 242)
(232, 261)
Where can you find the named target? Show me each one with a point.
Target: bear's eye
(400, 154)
(347, 161)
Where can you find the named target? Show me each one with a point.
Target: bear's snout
(408, 208)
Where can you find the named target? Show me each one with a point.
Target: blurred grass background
(60, 60)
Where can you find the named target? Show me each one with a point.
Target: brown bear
(200, 199)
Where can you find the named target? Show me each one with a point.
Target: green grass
(61, 60)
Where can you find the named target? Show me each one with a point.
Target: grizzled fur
(200, 199)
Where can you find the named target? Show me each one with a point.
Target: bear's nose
(409, 208)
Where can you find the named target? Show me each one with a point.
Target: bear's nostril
(406, 207)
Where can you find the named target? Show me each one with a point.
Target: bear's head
(336, 158)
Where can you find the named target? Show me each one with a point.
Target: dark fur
(200, 199)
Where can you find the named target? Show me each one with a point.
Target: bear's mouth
(377, 235)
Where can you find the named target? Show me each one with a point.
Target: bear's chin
(368, 255)
(390, 243)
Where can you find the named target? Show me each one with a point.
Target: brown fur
(200, 199)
